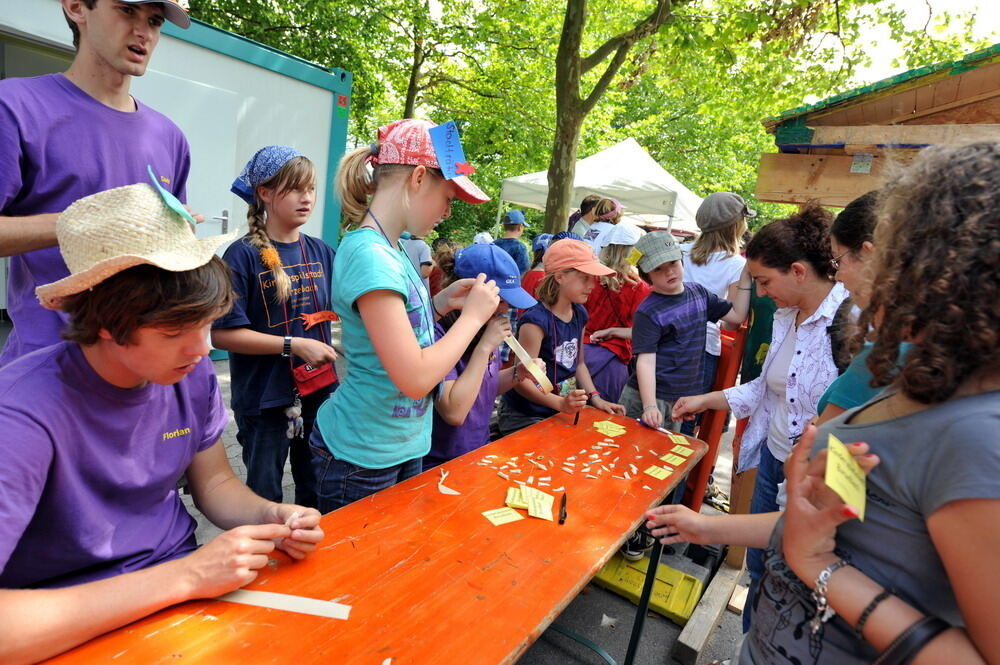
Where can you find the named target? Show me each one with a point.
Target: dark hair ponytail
(855, 225)
(804, 236)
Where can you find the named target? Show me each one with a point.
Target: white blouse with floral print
(810, 372)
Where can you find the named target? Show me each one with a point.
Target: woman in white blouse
(790, 261)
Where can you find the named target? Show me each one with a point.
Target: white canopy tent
(625, 172)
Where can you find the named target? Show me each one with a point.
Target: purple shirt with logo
(59, 144)
(88, 484)
(449, 441)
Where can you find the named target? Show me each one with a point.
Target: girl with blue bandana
(375, 430)
(280, 322)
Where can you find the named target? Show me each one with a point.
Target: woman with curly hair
(916, 581)
(790, 261)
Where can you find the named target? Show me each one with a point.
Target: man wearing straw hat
(65, 136)
(98, 428)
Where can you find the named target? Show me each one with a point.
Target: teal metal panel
(337, 81)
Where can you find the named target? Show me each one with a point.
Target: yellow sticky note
(657, 472)
(678, 438)
(683, 451)
(844, 476)
(515, 498)
(539, 503)
(500, 516)
(673, 460)
(609, 428)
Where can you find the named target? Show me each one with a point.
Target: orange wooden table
(429, 579)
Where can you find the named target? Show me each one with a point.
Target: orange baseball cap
(568, 254)
(409, 142)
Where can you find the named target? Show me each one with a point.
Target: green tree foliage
(693, 92)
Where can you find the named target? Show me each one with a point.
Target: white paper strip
(528, 363)
(288, 603)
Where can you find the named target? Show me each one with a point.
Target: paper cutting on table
(442, 488)
(515, 499)
(609, 428)
(683, 451)
(539, 503)
(288, 603)
(844, 476)
(673, 460)
(657, 472)
(678, 438)
(500, 516)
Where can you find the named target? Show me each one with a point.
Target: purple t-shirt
(88, 484)
(448, 441)
(673, 327)
(59, 144)
(560, 350)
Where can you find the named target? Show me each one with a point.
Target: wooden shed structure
(837, 149)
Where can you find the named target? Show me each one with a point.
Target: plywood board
(787, 178)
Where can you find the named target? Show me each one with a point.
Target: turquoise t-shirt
(368, 421)
(853, 387)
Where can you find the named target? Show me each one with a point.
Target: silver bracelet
(823, 610)
(651, 406)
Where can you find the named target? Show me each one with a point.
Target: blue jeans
(770, 473)
(266, 446)
(339, 482)
(711, 363)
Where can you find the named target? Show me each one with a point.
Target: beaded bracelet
(858, 627)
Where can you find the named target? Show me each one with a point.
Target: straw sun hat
(102, 234)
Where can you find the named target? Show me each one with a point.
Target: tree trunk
(413, 86)
(562, 171)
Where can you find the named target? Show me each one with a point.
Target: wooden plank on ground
(739, 504)
(699, 627)
(738, 599)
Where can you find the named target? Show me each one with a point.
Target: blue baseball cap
(541, 241)
(497, 265)
(513, 217)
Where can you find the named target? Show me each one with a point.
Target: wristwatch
(286, 348)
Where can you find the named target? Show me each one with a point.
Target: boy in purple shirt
(668, 333)
(98, 428)
(465, 403)
(66, 136)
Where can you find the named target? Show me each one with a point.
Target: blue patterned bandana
(262, 166)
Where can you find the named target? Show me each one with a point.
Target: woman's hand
(606, 406)
(313, 351)
(686, 408)
(814, 511)
(677, 524)
(574, 401)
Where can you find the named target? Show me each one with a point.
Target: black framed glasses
(835, 261)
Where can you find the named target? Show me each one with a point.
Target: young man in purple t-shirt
(98, 428)
(66, 136)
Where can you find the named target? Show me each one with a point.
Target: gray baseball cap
(657, 248)
(721, 209)
(174, 11)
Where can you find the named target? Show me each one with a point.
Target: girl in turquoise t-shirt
(374, 430)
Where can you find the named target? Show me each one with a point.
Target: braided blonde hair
(297, 173)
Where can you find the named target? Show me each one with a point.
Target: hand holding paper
(815, 509)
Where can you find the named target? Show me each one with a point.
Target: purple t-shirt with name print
(673, 327)
(88, 484)
(59, 144)
(449, 441)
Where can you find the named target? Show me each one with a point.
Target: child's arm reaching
(739, 295)
(586, 381)
(415, 370)
(645, 374)
(679, 524)
(458, 396)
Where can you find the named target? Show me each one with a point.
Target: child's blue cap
(562, 235)
(541, 241)
(498, 266)
(513, 217)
